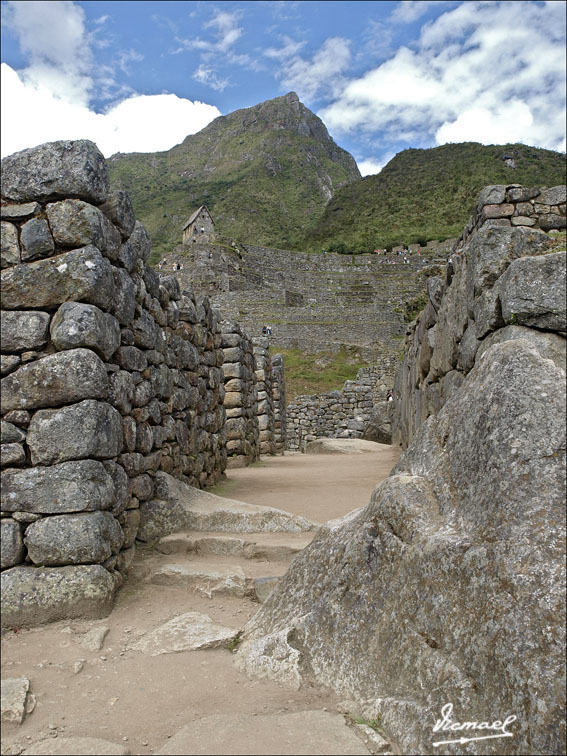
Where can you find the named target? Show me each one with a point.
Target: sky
(383, 76)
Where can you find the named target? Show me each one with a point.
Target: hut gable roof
(196, 214)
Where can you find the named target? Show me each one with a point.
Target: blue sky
(383, 76)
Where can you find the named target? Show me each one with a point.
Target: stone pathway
(157, 675)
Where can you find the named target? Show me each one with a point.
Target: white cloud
(407, 11)
(50, 99)
(207, 75)
(31, 115)
(487, 72)
(370, 167)
(321, 74)
(226, 32)
(227, 29)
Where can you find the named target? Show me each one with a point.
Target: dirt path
(141, 702)
(317, 486)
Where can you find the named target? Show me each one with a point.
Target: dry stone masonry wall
(505, 282)
(279, 401)
(265, 408)
(516, 205)
(241, 398)
(337, 414)
(110, 374)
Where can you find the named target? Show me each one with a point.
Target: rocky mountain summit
(450, 584)
(264, 172)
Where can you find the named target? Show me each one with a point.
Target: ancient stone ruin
(336, 414)
(241, 398)
(449, 587)
(111, 374)
(116, 409)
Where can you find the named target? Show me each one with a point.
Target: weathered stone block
(12, 552)
(68, 487)
(56, 379)
(130, 522)
(532, 292)
(552, 221)
(56, 169)
(75, 223)
(521, 193)
(504, 210)
(10, 433)
(14, 695)
(36, 240)
(20, 212)
(556, 195)
(23, 330)
(121, 391)
(86, 538)
(118, 209)
(131, 358)
(82, 275)
(9, 245)
(12, 454)
(77, 431)
(491, 195)
(124, 300)
(32, 596)
(82, 325)
(8, 363)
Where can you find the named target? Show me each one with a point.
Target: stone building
(199, 223)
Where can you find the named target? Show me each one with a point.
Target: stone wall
(516, 205)
(280, 411)
(241, 398)
(266, 420)
(496, 287)
(111, 373)
(337, 414)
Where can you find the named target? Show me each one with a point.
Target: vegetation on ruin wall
(318, 373)
(427, 194)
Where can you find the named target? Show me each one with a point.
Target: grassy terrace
(317, 374)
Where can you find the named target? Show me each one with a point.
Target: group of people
(266, 330)
(177, 266)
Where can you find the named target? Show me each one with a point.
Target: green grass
(318, 373)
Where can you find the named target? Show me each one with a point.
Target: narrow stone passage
(157, 675)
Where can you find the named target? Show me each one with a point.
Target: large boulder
(449, 586)
(56, 170)
(35, 595)
(87, 429)
(56, 379)
(84, 485)
(82, 275)
(81, 538)
(379, 426)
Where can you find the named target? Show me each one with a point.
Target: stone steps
(271, 547)
(212, 564)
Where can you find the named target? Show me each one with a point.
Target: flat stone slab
(271, 547)
(343, 446)
(76, 746)
(188, 632)
(179, 507)
(205, 579)
(302, 734)
(14, 692)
